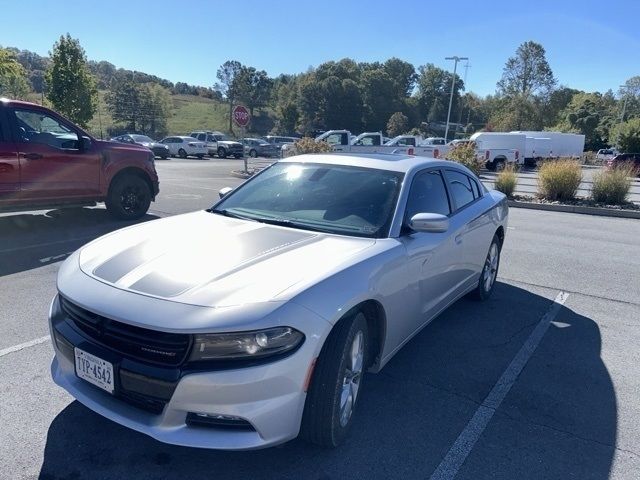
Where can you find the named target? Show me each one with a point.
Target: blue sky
(591, 45)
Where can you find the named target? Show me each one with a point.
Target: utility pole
(455, 59)
(464, 81)
(624, 109)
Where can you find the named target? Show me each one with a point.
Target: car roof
(381, 161)
(17, 102)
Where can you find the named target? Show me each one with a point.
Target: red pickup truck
(48, 162)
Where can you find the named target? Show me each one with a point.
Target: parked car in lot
(258, 147)
(625, 159)
(158, 149)
(249, 323)
(218, 144)
(184, 147)
(606, 153)
(48, 162)
(279, 141)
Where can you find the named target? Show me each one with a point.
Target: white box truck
(562, 144)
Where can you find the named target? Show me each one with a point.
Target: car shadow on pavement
(558, 420)
(32, 240)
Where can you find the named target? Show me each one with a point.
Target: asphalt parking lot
(541, 381)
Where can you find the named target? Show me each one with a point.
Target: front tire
(489, 272)
(222, 153)
(337, 381)
(253, 153)
(129, 198)
(182, 153)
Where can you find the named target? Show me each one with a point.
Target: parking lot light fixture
(455, 59)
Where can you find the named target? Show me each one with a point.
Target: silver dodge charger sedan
(255, 321)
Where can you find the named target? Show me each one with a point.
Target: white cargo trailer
(499, 149)
(536, 149)
(562, 144)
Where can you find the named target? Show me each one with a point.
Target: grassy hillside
(190, 112)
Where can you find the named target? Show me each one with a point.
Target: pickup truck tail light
(436, 153)
(517, 154)
(486, 155)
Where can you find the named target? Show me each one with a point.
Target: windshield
(332, 198)
(141, 139)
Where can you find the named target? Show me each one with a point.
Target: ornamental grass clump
(559, 180)
(612, 186)
(506, 181)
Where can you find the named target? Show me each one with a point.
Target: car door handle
(458, 239)
(32, 156)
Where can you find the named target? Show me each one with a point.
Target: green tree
(590, 114)
(627, 135)
(527, 82)
(253, 87)
(70, 87)
(397, 124)
(434, 88)
(13, 77)
(228, 85)
(377, 94)
(124, 101)
(156, 107)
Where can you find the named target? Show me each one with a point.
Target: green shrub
(466, 155)
(309, 145)
(612, 186)
(506, 181)
(559, 179)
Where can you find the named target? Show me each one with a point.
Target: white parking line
(465, 442)
(22, 346)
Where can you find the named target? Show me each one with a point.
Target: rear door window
(460, 188)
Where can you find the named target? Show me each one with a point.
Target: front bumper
(270, 397)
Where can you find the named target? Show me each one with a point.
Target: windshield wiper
(283, 222)
(228, 213)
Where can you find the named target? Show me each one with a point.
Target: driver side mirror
(429, 223)
(224, 191)
(85, 144)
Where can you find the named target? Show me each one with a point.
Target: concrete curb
(241, 174)
(603, 212)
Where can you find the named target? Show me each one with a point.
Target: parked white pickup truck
(372, 142)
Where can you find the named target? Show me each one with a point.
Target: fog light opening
(214, 420)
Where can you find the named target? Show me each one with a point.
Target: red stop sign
(241, 116)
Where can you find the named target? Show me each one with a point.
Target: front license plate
(94, 370)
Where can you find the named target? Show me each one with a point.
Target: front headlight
(245, 345)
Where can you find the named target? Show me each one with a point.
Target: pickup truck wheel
(499, 165)
(337, 380)
(253, 153)
(489, 271)
(222, 153)
(182, 153)
(129, 198)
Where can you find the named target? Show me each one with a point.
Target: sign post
(242, 117)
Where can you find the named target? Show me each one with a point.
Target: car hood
(209, 260)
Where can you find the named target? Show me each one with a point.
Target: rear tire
(182, 153)
(253, 153)
(489, 272)
(337, 380)
(222, 153)
(129, 197)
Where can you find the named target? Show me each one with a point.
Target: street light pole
(456, 59)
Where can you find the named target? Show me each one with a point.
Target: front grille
(151, 346)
